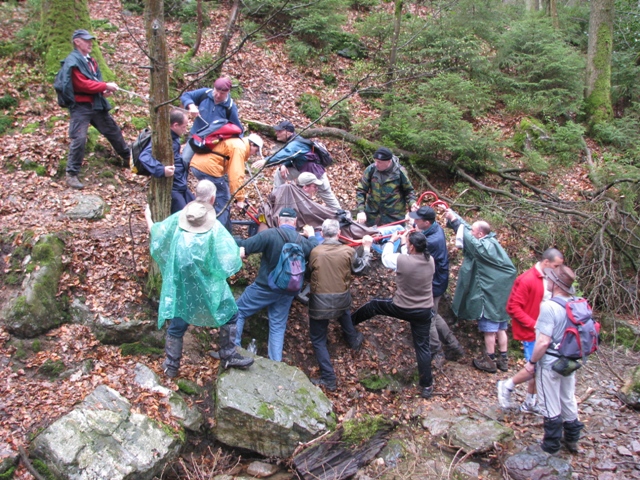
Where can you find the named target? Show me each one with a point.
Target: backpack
(205, 140)
(581, 332)
(136, 148)
(319, 153)
(288, 276)
(58, 85)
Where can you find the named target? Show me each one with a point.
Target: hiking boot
(214, 354)
(73, 182)
(454, 354)
(571, 446)
(504, 395)
(485, 364)
(358, 343)
(427, 392)
(329, 385)
(502, 363)
(173, 354)
(531, 408)
(438, 360)
(237, 361)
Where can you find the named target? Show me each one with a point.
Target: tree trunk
(58, 20)
(160, 192)
(393, 56)
(200, 27)
(553, 13)
(598, 88)
(226, 37)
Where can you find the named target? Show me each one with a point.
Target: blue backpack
(288, 276)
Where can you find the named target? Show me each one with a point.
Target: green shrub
(8, 48)
(540, 73)
(7, 101)
(188, 32)
(140, 123)
(5, 123)
(341, 117)
(310, 105)
(470, 97)
(299, 52)
(40, 170)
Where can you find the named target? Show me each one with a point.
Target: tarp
(310, 212)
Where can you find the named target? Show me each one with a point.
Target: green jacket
(484, 279)
(384, 196)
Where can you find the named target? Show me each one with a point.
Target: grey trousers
(81, 116)
(556, 394)
(440, 332)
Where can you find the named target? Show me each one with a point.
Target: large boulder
(534, 463)
(630, 392)
(115, 331)
(478, 435)
(89, 207)
(102, 438)
(269, 408)
(37, 309)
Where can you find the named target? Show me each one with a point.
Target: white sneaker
(504, 395)
(529, 408)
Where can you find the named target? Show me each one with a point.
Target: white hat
(197, 217)
(257, 140)
(307, 178)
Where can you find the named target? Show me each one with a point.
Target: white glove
(361, 217)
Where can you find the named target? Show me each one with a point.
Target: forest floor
(107, 271)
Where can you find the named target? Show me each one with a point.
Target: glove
(258, 164)
(361, 217)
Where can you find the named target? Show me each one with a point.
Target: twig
(485, 415)
(590, 391)
(606, 362)
(27, 463)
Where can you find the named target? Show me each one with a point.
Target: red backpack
(205, 140)
(581, 332)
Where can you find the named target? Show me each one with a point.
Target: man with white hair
(196, 254)
(485, 279)
(331, 265)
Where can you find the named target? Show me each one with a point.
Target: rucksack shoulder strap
(560, 301)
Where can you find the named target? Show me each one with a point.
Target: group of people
(196, 255)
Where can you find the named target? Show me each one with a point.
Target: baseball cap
(285, 125)
(288, 213)
(307, 178)
(83, 34)
(424, 213)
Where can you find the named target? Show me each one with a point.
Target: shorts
(487, 326)
(528, 349)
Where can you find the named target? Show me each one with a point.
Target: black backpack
(58, 85)
(136, 148)
(319, 153)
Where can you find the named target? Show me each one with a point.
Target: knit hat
(223, 84)
(383, 153)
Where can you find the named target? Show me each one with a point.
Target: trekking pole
(144, 97)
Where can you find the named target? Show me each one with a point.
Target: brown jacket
(414, 277)
(331, 265)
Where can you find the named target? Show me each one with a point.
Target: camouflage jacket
(384, 196)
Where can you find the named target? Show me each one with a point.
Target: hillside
(106, 263)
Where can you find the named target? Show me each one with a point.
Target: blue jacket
(209, 110)
(437, 246)
(293, 153)
(269, 243)
(156, 168)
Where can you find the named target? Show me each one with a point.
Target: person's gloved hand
(258, 164)
(361, 217)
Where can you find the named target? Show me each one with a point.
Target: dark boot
(454, 352)
(485, 363)
(73, 182)
(502, 363)
(229, 356)
(173, 352)
(572, 434)
(552, 434)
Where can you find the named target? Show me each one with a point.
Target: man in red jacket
(523, 306)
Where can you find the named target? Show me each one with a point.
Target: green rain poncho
(485, 279)
(195, 268)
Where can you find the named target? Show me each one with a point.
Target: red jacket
(85, 88)
(523, 305)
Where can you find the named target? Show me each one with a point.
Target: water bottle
(252, 348)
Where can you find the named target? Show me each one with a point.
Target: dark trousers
(418, 318)
(222, 196)
(178, 327)
(318, 333)
(81, 116)
(179, 200)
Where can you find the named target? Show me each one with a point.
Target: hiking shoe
(529, 408)
(504, 395)
(73, 182)
(427, 392)
(214, 354)
(454, 354)
(168, 370)
(237, 361)
(358, 344)
(502, 363)
(485, 364)
(320, 382)
(571, 446)
(438, 361)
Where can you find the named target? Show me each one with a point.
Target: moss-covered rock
(38, 310)
(630, 392)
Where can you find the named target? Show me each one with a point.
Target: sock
(503, 354)
(492, 356)
(531, 398)
(509, 384)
